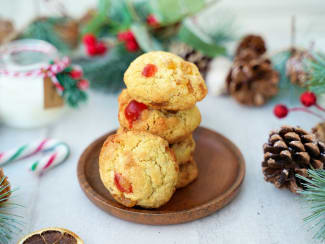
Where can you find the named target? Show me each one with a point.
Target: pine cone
(4, 187)
(319, 131)
(252, 42)
(69, 32)
(189, 54)
(295, 68)
(252, 80)
(291, 151)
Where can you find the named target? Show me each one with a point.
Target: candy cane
(27, 150)
(60, 153)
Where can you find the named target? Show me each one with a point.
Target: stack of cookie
(162, 90)
(152, 152)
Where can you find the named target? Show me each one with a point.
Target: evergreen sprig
(314, 194)
(316, 69)
(10, 224)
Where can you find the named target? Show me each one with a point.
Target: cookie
(188, 172)
(184, 150)
(138, 168)
(172, 126)
(162, 80)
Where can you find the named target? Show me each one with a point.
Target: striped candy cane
(57, 156)
(27, 150)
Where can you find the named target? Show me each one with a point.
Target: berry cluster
(93, 46)
(76, 74)
(152, 21)
(307, 99)
(129, 40)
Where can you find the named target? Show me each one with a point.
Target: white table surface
(259, 214)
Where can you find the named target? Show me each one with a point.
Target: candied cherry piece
(122, 184)
(149, 70)
(133, 111)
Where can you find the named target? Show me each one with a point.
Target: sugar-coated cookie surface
(163, 80)
(172, 126)
(138, 168)
(188, 172)
(184, 149)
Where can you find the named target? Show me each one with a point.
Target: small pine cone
(252, 42)
(68, 32)
(295, 68)
(319, 131)
(6, 29)
(4, 187)
(291, 151)
(189, 54)
(252, 80)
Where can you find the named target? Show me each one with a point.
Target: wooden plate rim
(226, 197)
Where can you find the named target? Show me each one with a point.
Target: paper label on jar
(51, 98)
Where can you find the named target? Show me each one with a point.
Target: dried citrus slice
(51, 236)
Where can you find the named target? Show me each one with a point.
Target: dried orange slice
(51, 236)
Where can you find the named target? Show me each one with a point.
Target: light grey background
(260, 214)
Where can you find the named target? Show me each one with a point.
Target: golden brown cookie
(188, 172)
(172, 126)
(184, 150)
(138, 168)
(163, 80)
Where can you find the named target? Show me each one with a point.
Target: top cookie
(138, 168)
(163, 80)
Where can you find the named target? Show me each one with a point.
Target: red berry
(308, 99)
(101, 48)
(91, 50)
(149, 70)
(126, 36)
(152, 21)
(76, 74)
(83, 84)
(122, 184)
(132, 46)
(133, 111)
(280, 111)
(89, 40)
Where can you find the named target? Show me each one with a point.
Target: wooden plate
(221, 173)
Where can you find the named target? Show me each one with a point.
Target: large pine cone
(291, 151)
(190, 54)
(252, 42)
(295, 67)
(251, 79)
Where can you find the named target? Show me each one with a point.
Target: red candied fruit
(149, 70)
(133, 111)
(122, 184)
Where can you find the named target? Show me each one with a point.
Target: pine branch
(316, 69)
(314, 195)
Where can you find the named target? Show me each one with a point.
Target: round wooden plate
(221, 173)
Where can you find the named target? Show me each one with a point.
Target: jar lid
(26, 55)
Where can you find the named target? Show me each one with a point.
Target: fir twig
(314, 194)
(316, 69)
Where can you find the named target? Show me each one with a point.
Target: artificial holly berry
(83, 84)
(132, 46)
(308, 99)
(76, 74)
(133, 111)
(152, 21)
(280, 111)
(89, 40)
(91, 50)
(126, 36)
(100, 48)
(122, 184)
(149, 70)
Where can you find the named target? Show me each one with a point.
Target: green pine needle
(316, 69)
(10, 224)
(314, 195)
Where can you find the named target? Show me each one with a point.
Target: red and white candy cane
(27, 150)
(59, 154)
